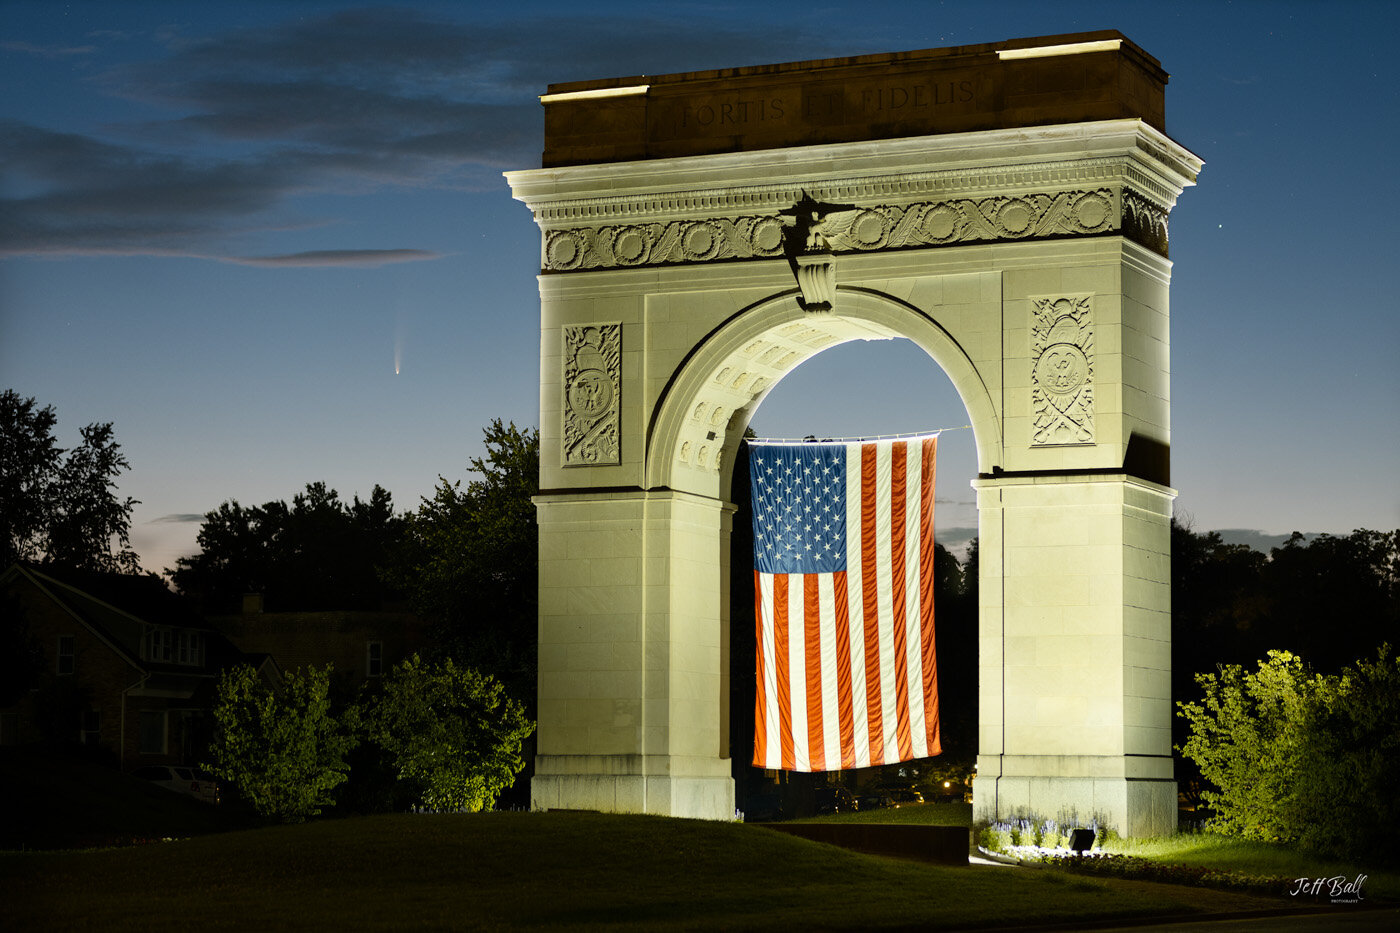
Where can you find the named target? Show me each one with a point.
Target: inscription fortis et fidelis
(824, 105)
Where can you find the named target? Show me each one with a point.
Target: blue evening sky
(225, 226)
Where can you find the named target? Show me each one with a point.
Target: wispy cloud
(48, 51)
(349, 103)
(340, 257)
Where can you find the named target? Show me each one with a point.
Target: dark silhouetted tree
(318, 553)
(1333, 598)
(471, 557)
(57, 509)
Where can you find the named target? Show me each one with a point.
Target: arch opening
(849, 390)
(717, 392)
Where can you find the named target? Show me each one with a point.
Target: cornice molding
(1078, 180)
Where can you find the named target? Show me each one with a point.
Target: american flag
(843, 592)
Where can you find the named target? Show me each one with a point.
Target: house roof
(121, 608)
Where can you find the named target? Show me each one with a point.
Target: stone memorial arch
(1003, 206)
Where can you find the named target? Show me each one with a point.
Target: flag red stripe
(780, 648)
(811, 610)
(846, 712)
(927, 557)
(899, 455)
(869, 590)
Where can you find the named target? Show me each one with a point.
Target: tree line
(466, 561)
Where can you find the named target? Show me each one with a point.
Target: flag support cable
(855, 440)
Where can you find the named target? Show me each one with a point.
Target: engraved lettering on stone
(592, 388)
(1062, 375)
(929, 223)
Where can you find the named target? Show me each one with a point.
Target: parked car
(835, 800)
(182, 780)
(903, 796)
(875, 801)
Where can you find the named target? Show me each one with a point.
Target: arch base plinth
(662, 785)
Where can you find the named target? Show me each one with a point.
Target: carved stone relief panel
(1062, 372)
(592, 391)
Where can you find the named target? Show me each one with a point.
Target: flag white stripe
(913, 644)
(772, 757)
(855, 617)
(884, 582)
(797, 673)
(831, 712)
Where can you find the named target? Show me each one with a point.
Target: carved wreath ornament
(931, 223)
(592, 386)
(1062, 374)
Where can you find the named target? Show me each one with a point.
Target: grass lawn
(928, 814)
(551, 870)
(1208, 850)
(54, 800)
(1197, 849)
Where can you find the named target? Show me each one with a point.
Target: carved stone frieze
(1144, 222)
(891, 226)
(592, 391)
(1062, 372)
(658, 244)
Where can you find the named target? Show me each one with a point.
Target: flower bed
(1140, 869)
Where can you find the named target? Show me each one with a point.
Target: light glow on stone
(599, 92)
(1070, 48)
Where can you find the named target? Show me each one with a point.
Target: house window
(158, 644)
(189, 648)
(152, 732)
(92, 727)
(374, 663)
(66, 654)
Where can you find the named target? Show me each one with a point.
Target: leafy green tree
(1349, 790)
(451, 734)
(1297, 756)
(1247, 738)
(471, 558)
(283, 750)
(317, 553)
(56, 509)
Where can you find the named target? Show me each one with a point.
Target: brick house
(122, 664)
(361, 646)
